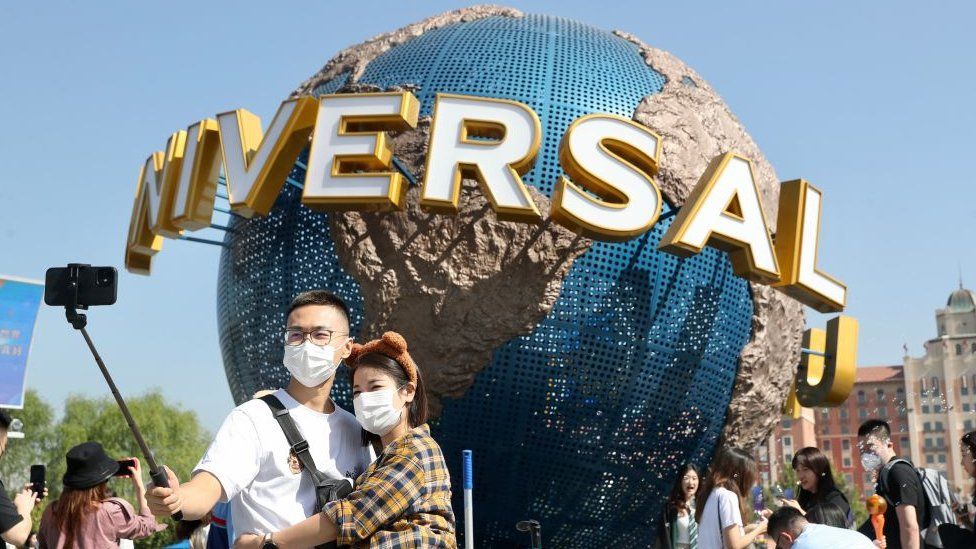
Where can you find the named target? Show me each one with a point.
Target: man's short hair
(783, 519)
(5, 419)
(318, 297)
(875, 427)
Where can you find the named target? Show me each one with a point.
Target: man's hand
(163, 502)
(248, 541)
(25, 499)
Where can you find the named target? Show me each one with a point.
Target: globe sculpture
(581, 373)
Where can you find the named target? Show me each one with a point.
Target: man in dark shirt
(898, 483)
(15, 521)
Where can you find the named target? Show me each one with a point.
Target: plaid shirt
(403, 500)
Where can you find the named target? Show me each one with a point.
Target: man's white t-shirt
(819, 535)
(250, 458)
(721, 511)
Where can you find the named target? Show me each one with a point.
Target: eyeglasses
(318, 336)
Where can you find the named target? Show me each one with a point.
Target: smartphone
(80, 284)
(124, 465)
(37, 473)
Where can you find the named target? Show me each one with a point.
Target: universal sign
(609, 193)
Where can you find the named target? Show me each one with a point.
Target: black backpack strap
(295, 439)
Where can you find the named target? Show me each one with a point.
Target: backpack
(938, 499)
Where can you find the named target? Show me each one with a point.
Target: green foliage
(175, 435)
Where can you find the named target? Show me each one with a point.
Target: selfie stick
(79, 321)
(468, 501)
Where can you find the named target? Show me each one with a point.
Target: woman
(957, 537)
(827, 514)
(816, 482)
(85, 516)
(721, 503)
(677, 528)
(404, 497)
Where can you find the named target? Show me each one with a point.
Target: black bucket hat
(88, 465)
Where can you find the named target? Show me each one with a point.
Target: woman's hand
(792, 503)
(248, 541)
(881, 543)
(135, 472)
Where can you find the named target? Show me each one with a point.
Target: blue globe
(582, 423)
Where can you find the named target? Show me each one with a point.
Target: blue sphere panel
(582, 423)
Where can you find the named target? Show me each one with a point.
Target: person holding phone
(15, 516)
(85, 516)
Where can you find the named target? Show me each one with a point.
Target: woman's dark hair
(815, 460)
(732, 469)
(969, 440)
(827, 514)
(677, 499)
(416, 410)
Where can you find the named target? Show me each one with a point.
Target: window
(849, 478)
(845, 429)
(900, 393)
(826, 429)
(880, 394)
(968, 425)
(925, 408)
(936, 389)
(925, 386)
(966, 407)
(862, 413)
(929, 459)
(787, 441)
(883, 412)
(939, 427)
(824, 414)
(843, 413)
(904, 444)
(826, 445)
(972, 347)
(787, 423)
(940, 442)
(927, 426)
(942, 458)
(928, 442)
(958, 349)
(861, 397)
(846, 444)
(847, 462)
(964, 390)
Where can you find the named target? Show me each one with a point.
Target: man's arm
(24, 503)
(195, 498)
(908, 526)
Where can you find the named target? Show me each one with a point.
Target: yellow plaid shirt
(403, 500)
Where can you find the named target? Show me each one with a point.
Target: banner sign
(20, 300)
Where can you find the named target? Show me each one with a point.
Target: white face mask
(310, 364)
(870, 462)
(376, 411)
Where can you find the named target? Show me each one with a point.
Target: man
(15, 516)
(250, 463)
(790, 530)
(898, 483)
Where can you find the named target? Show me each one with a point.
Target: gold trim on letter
(203, 168)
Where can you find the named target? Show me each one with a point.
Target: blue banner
(19, 302)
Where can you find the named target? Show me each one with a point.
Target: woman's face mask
(378, 402)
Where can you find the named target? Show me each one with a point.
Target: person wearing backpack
(272, 480)
(898, 482)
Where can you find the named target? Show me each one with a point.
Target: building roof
(876, 374)
(961, 301)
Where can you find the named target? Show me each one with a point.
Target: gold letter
(724, 210)
(350, 139)
(797, 235)
(615, 158)
(494, 141)
(142, 243)
(256, 164)
(829, 380)
(197, 183)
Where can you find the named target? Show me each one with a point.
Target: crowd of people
(916, 514)
(290, 468)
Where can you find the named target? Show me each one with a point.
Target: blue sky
(868, 101)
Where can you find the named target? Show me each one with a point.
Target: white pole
(468, 501)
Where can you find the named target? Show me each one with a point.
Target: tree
(37, 447)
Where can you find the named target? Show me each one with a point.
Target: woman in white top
(721, 502)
